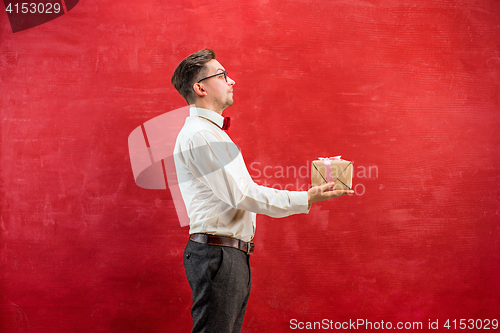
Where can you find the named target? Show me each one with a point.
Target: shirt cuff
(299, 201)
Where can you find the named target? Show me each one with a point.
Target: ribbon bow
(328, 166)
(329, 158)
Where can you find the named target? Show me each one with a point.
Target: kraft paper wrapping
(340, 172)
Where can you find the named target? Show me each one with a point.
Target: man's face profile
(217, 91)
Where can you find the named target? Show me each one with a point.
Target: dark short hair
(186, 73)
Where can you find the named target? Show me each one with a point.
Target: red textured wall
(407, 90)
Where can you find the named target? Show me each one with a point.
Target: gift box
(332, 169)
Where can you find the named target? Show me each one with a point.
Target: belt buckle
(250, 247)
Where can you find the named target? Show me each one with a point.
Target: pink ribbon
(328, 166)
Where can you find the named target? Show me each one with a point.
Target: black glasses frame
(208, 77)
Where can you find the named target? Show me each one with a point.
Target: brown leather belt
(246, 247)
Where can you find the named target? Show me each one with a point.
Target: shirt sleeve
(220, 166)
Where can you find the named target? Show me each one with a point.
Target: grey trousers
(219, 277)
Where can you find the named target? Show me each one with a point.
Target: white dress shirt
(220, 196)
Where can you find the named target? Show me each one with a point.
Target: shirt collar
(207, 114)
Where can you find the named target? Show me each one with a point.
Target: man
(221, 199)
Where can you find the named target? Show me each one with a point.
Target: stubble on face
(222, 90)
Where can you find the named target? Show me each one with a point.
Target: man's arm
(218, 166)
(324, 192)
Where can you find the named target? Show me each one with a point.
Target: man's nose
(230, 81)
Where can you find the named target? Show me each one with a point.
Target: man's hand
(324, 192)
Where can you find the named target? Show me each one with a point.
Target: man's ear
(199, 90)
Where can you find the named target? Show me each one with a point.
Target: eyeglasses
(208, 77)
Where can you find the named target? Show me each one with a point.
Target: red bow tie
(227, 123)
